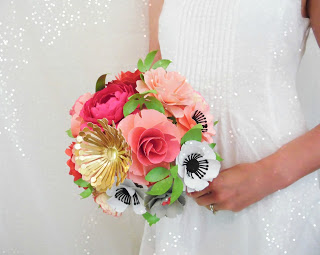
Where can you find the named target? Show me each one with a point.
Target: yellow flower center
(111, 153)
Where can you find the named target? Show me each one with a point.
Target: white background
(51, 52)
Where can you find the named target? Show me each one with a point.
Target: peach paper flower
(154, 141)
(197, 113)
(76, 120)
(173, 90)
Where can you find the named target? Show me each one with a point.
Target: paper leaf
(130, 107)
(134, 96)
(161, 187)
(101, 82)
(141, 66)
(177, 189)
(153, 91)
(212, 145)
(157, 174)
(197, 126)
(155, 104)
(69, 133)
(86, 193)
(151, 219)
(164, 63)
(82, 183)
(173, 119)
(193, 134)
(216, 122)
(218, 157)
(149, 59)
(174, 171)
(142, 77)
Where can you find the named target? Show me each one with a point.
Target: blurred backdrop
(51, 52)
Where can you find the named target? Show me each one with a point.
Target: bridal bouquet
(141, 140)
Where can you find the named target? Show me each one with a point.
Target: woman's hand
(237, 187)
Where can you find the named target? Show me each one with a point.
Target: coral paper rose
(71, 163)
(108, 103)
(76, 120)
(173, 90)
(154, 141)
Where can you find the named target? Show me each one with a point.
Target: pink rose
(76, 119)
(154, 141)
(173, 90)
(197, 113)
(108, 103)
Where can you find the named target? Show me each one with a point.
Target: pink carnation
(173, 90)
(154, 140)
(76, 119)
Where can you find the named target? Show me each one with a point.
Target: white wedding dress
(242, 56)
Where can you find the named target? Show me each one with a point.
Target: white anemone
(124, 195)
(197, 165)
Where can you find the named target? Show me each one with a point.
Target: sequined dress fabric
(242, 56)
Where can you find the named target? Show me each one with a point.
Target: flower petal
(117, 205)
(196, 183)
(213, 171)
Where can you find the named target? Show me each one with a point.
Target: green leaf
(161, 63)
(101, 82)
(174, 171)
(134, 96)
(177, 190)
(149, 59)
(173, 119)
(212, 145)
(218, 157)
(141, 66)
(151, 219)
(193, 134)
(153, 91)
(130, 107)
(155, 104)
(216, 122)
(81, 183)
(157, 174)
(161, 187)
(86, 193)
(142, 77)
(197, 126)
(69, 133)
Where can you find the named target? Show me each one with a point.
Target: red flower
(108, 103)
(71, 163)
(129, 78)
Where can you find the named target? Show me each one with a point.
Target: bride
(243, 56)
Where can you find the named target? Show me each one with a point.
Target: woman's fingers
(197, 194)
(205, 200)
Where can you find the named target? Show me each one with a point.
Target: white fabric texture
(243, 57)
(50, 53)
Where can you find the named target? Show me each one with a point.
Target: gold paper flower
(102, 155)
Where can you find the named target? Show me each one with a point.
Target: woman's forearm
(313, 8)
(293, 160)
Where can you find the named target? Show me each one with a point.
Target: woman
(243, 55)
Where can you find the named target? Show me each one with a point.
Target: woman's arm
(155, 7)
(311, 9)
(237, 187)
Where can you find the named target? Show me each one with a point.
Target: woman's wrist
(274, 172)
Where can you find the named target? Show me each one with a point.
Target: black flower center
(123, 195)
(196, 166)
(200, 118)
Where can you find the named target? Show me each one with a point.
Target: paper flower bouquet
(141, 140)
